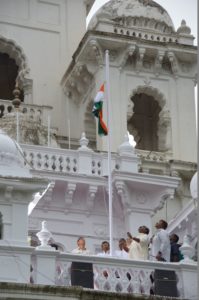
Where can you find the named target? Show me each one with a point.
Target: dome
(141, 14)
(11, 158)
(194, 186)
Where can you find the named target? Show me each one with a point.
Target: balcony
(123, 276)
(35, 112)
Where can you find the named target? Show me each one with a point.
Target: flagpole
(109, 153)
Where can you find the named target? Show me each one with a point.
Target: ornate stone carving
(174, 64)
(164, 130)
(158, 62)
(147, 81)
(16, 52)
(71, 187)
(121, 190)
(139, 13)
(91, 197)
(76, 84)
(96, 49)
(31, 128)
(139, 62)
(126, 54)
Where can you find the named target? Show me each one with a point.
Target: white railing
(35, 112)
(47, 159)
(113, 274)
(42, 158)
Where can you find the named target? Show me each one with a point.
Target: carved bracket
(77, 84)
(121, 190)
(174, 64)
(97, 51)
(158, 62)
(128, 53)
(69, 193)
(91, 197)
(139, 63)
(8, 192)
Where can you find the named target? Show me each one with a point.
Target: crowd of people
(160, 247)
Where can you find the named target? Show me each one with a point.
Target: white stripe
(99, 97)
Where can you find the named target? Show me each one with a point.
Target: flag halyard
(98, 111)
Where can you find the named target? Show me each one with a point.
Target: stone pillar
(128, 158)
(45, 258)
(85, 155)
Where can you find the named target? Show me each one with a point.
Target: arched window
(148, 119)
(8, 75)
(144, 121)
(13, 68)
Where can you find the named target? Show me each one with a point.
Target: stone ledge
(27, 291)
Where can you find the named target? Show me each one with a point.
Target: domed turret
(142, 14)
(184, 29)
(11, 158)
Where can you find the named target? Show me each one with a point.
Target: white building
(46, 52)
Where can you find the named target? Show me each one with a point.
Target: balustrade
(119, 275)
(36, 112)
(66, 161)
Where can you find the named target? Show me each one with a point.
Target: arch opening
(143, 123)
(8, 75)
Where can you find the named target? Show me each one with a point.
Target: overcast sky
(177, 9)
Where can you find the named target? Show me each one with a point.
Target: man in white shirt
(81, 249)
(160, 243)
(105, 249)
(82, 272)
(138, 249)
(123, 252)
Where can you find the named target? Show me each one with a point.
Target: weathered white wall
(48, 32)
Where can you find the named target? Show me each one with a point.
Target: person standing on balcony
(81, 272)
(160, 243)
(123, 249)
(139, 245)
(81, 249)
(105, 246)
(175, 252)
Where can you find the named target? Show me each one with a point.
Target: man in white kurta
(81, 249)
(123, 251)
(138, 249)
(160, 244)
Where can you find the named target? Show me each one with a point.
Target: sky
(177, 9)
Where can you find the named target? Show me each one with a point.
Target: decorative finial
(84, 143)
(184, 29)
(187, 250)
(44, 236)
(16, 101)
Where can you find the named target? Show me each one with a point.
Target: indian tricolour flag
(97, 111)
